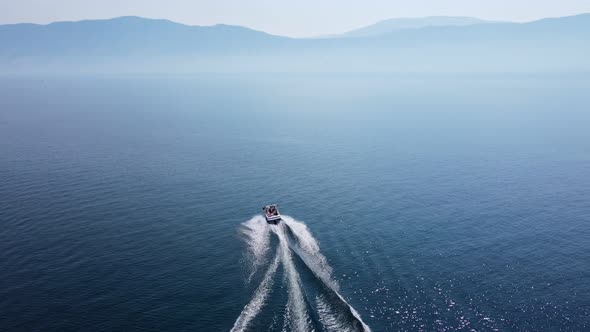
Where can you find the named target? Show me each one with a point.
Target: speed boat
(271, 213)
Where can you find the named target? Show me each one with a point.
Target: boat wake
(258, 240)
(313, 300)
(251, 309)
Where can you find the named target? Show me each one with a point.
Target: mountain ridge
(404, 23)
(135, 42)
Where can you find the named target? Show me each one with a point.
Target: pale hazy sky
(292, 18)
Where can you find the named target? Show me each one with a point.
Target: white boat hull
(272, 219)
(271, 213)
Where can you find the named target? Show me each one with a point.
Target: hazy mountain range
(437, 44)
(395, 24)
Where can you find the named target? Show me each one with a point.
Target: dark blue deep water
(439, 203)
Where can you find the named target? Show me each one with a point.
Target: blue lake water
(438, 203)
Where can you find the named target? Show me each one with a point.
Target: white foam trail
(296, 307)
(259, 299)
(328, 317)
(310, 252)
(317, 263)
(355, 313)
(258, 239)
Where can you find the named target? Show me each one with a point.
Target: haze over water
(439, 202)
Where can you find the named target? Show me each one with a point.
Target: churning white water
(257, 235)
(258, 300)
(317, 262)
(293, 237)
(297, 310)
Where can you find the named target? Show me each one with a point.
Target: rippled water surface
(414, 203)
